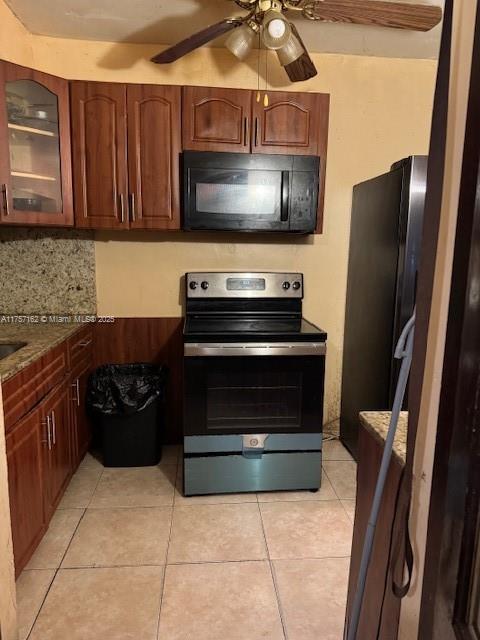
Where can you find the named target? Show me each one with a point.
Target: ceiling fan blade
(302, 68)
(399, 15)
(197, 40)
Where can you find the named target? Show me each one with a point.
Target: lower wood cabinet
(46, 444)
(39, 468)
(381, 608)
(81, 433)
(57, 458)
(25, 458)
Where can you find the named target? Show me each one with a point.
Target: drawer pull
(132, 207)
(85, 343)
(54, 429)
(48, 441)
(76, 386)
(122, 208)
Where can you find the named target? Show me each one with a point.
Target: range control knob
(204, 285)
(193, 285)
(286, 285)
(296, 285)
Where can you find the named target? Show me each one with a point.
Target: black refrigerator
(385, 240)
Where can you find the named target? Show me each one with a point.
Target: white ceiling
(166, 22)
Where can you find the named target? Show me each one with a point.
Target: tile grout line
(162, 587)
(57, 569)
(96, 486)
(335, 491)
(71, 538)
(180, 564)
(274, 579)
(352, 520)
(331, 483)
(338, 498)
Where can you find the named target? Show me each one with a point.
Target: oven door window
(253, 394)
(267, 399)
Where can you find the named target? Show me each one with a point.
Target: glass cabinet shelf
(36, 174)
(32, 130)
(34, 145)
(32, 176)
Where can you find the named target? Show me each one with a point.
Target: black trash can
(126, 405)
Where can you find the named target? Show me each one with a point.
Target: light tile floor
(127, 557)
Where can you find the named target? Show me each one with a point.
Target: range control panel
(244, 285)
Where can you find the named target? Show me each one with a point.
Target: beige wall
(380, 112)
(15, 41)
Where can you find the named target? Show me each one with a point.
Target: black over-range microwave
(249, 192)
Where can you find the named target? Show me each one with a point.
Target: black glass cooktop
(251, 328)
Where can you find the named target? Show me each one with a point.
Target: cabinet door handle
(48, 441)
(85, 343)
(6, 203)
(76, 386)
(133, 212)
(54, 429)
(122, 208)
(245, 131)
(256, 132)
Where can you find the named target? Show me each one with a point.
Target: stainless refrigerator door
(410, 240)
(370, 304)
(385, 238)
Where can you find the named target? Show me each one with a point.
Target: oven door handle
(228, 350)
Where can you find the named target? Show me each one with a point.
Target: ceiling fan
(266, 20)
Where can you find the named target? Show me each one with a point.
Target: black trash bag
(125, 389)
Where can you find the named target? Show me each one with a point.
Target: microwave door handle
(285, 195)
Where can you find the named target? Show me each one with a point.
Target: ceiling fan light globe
(240, 42)
(276, 30)
(291, 51)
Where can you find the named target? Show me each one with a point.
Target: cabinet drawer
(24, 390)
(80, 348)
(236, 473)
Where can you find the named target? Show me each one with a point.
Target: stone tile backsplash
(47, 271)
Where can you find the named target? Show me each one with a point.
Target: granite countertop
(39, 337)
(377, 423)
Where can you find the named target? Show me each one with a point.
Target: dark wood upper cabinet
(35, 166)
(99, 150)
(216, 119)
(154, 146)
(24, 458)
(291, 123)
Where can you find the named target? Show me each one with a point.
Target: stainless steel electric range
(254, 383)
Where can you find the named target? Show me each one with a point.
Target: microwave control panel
(303, 201)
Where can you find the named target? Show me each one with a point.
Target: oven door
(237, 199)
(241, 389)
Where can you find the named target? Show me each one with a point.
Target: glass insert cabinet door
(34, 167)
